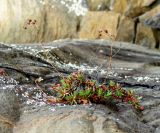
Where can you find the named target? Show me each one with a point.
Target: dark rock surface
(133, 67)
(131, 63)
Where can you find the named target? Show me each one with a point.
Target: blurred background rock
(135, 21)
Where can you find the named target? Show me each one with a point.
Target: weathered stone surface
(137, 7)
(133, 67)
(151, 18)
(59, 22)
(53, 21)
(82, 119)
(9, 110)
(57, 56)
(131, 8)
(93, 22)
(119, 6)
(96, 5)
(125, 31)
(145, 36)
(10, 104)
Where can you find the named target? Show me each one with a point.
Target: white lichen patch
(79, 7)
(4, 80)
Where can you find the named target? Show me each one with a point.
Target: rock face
(9, 111)
(59, 19)
(53, 21)
(133, 67)
(125, 27)
(80, 119)
(125, 31)
(145, 36)
(137, 7)
(94, 22)
(45, 61)
(131, 8)
(152, 17)
(119, 6)
(97, 5)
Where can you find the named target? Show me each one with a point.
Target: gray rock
(152, 17)
(131, 63)
(9, 110)
(133, 67)
(79, 119)
(157, 130)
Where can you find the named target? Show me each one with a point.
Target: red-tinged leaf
(141, 108)
(2, 71)
(104, 87)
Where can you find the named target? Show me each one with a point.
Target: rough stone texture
(137, 7)
(66, 56)
(10, 104)
(152, 17)
(59, 19)
(59, 22)
(93, 22)
(53, 21)
(125, 31)
(145, 36)
(134, 67)
(79, 119)
(9, 110)
(96, 5)
(119, 6)
(131, 8)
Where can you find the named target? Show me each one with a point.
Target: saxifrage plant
(77, 89)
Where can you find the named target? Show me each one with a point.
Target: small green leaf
(62, 81)
(112, 83)
(80, 77)
(69, 97)
(100, 92)
(64, 84)
(129, 102)
(119, 93)
(82, 93)
(85, 93)
(108, 94)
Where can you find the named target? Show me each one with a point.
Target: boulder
(145, 36)
(131, 8)
(125, 31)
(94, 22)
(151, 18)
(54, 20)
(96, 5)
(79, 119)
